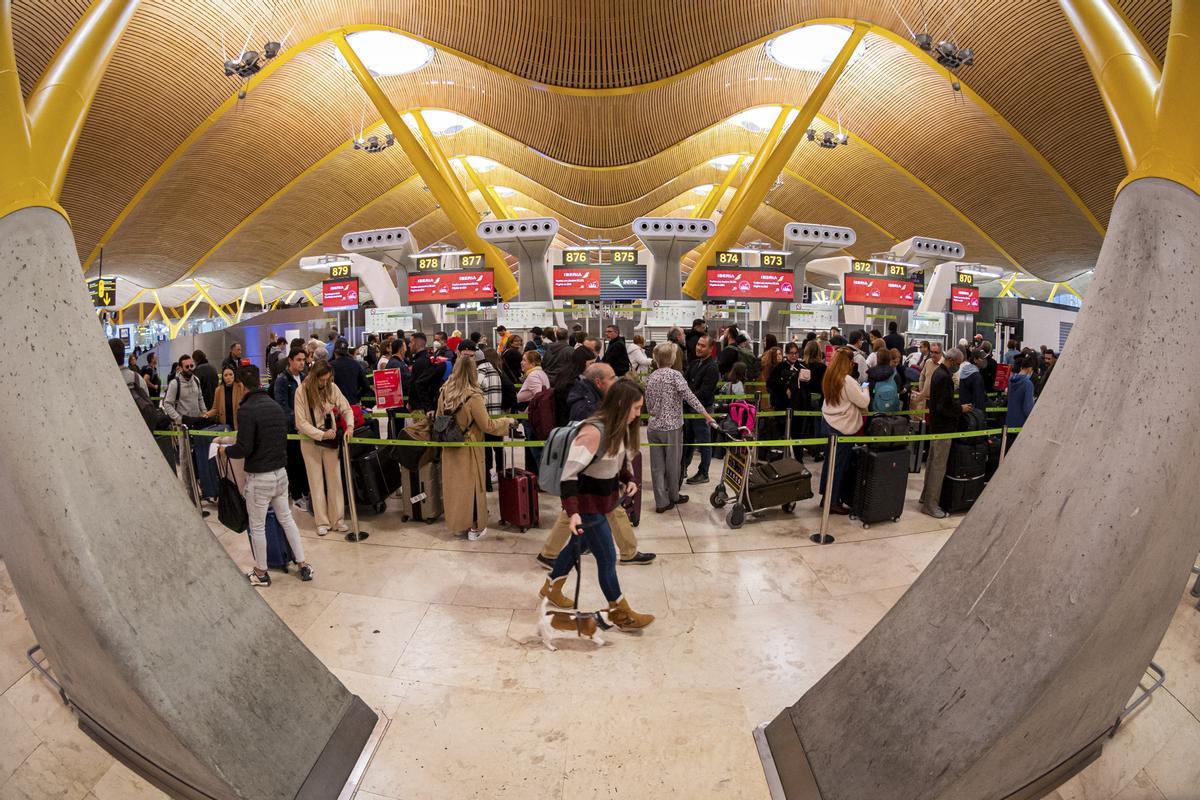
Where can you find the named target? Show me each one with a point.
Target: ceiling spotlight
(828, 139)
(374, 143)
(946, 52)
(250, 63)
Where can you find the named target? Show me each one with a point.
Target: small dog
(554, 623)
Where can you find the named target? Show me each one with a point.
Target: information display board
(576, 258)
(624, 280)
(926, 324)
(577, 282)
(525, 315)
(450, 287)
(388, 391)
(964, 299)
(389, 320)
(872, 291)
(749, 284)
(340, 295)
(666, 313)
(339, 271)
(426, 263)
(103, 292)
(730, 258)
(818, 316)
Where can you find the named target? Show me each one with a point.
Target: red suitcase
(518, 496)
(633, 504)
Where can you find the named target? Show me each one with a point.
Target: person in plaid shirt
(493, 394)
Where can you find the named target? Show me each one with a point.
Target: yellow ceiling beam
(1071, 289)
(710, 203)
(443, 192)
(242, 304)
(325, 36)
(261, 303)
(765, 148)
(443, 164)
(212, 303)
(175, 328)
(768, 169)
(498, 207)
(136, 297)
(311, 299)
(1007, 285)
(40, 135)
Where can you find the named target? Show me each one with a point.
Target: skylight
(384, 53)
(812, 48)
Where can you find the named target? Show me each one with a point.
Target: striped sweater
(591, 484)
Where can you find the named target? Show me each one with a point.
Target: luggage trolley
(756, 486)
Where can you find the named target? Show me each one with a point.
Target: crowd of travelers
(554, 378)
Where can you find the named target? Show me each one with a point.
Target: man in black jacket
(262, 441)
(944, 412)
(426, 376)
(699, 328)
(558, 353)
(615, 353)
(585, 395)
(894, 340)
(702, 377)
(206, 373)
(286, 384)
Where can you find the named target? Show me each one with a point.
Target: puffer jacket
(261, 433)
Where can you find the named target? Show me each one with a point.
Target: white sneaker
(322, 530)
(475, 535)
(303, 504)
(342, 527)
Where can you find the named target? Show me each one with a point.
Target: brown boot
(625, 618)
(552, 591)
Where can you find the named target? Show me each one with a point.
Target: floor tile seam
(14, 683)
(408, 641)
(1182, 704)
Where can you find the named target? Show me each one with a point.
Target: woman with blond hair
(319, 406)
(462, 467)
(842, 413)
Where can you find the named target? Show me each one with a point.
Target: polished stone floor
(438, 634)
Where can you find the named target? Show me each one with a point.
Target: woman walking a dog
(597, 472)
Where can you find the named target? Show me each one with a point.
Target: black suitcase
(633, 503)
(779, 483)
(917, 450)
(359, 450)
(888, 425)
(881, 481)
(993, 459)
(959, 494)
(375, 480)
(968, 459)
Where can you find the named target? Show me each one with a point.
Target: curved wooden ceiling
(597, 117)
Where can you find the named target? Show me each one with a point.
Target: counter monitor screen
(340, 295)
(964, 299)
(750, 284)
(449, 287)
(577, 282)
(863, 290)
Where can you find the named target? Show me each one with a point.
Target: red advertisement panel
(450, 287)
(577, 282)
(388, 392)
(1003, 375)
(340, 295)
(964, 299)
(865, 290)
(750, 284)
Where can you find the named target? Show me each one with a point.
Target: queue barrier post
(821, 536)
(188, 467)
(1003, 443)
(356, 534)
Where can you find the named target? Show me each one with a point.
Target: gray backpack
(555, 452)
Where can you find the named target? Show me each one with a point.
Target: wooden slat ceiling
(561, 94)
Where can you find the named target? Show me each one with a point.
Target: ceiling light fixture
(829, 139)
(442, 123)
(811, 48)
(374, 143)
(384, 53)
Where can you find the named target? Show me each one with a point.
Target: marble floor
(437, 633)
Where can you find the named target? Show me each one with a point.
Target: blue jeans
(843, 474)
(696, 432)
(598, 537)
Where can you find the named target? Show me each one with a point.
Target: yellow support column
(760, 158)
(242, 305)
(499, 210)
(212, 303)
(713, 199)
(59, 104)
(765, 171)
(1175, 152)
(311, 299)
(443, 193)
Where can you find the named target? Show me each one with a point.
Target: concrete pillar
(1022, 641)
(144, 619)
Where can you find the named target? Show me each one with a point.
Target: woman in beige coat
(318, 404)
(462, 467)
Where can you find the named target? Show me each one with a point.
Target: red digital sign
(449, 287)
(577, 282)
(865, 290)
(340, 295)
(964, 299)
(750, 284)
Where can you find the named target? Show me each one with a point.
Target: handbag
(336, 441)
(447, 429)
(231, 506)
